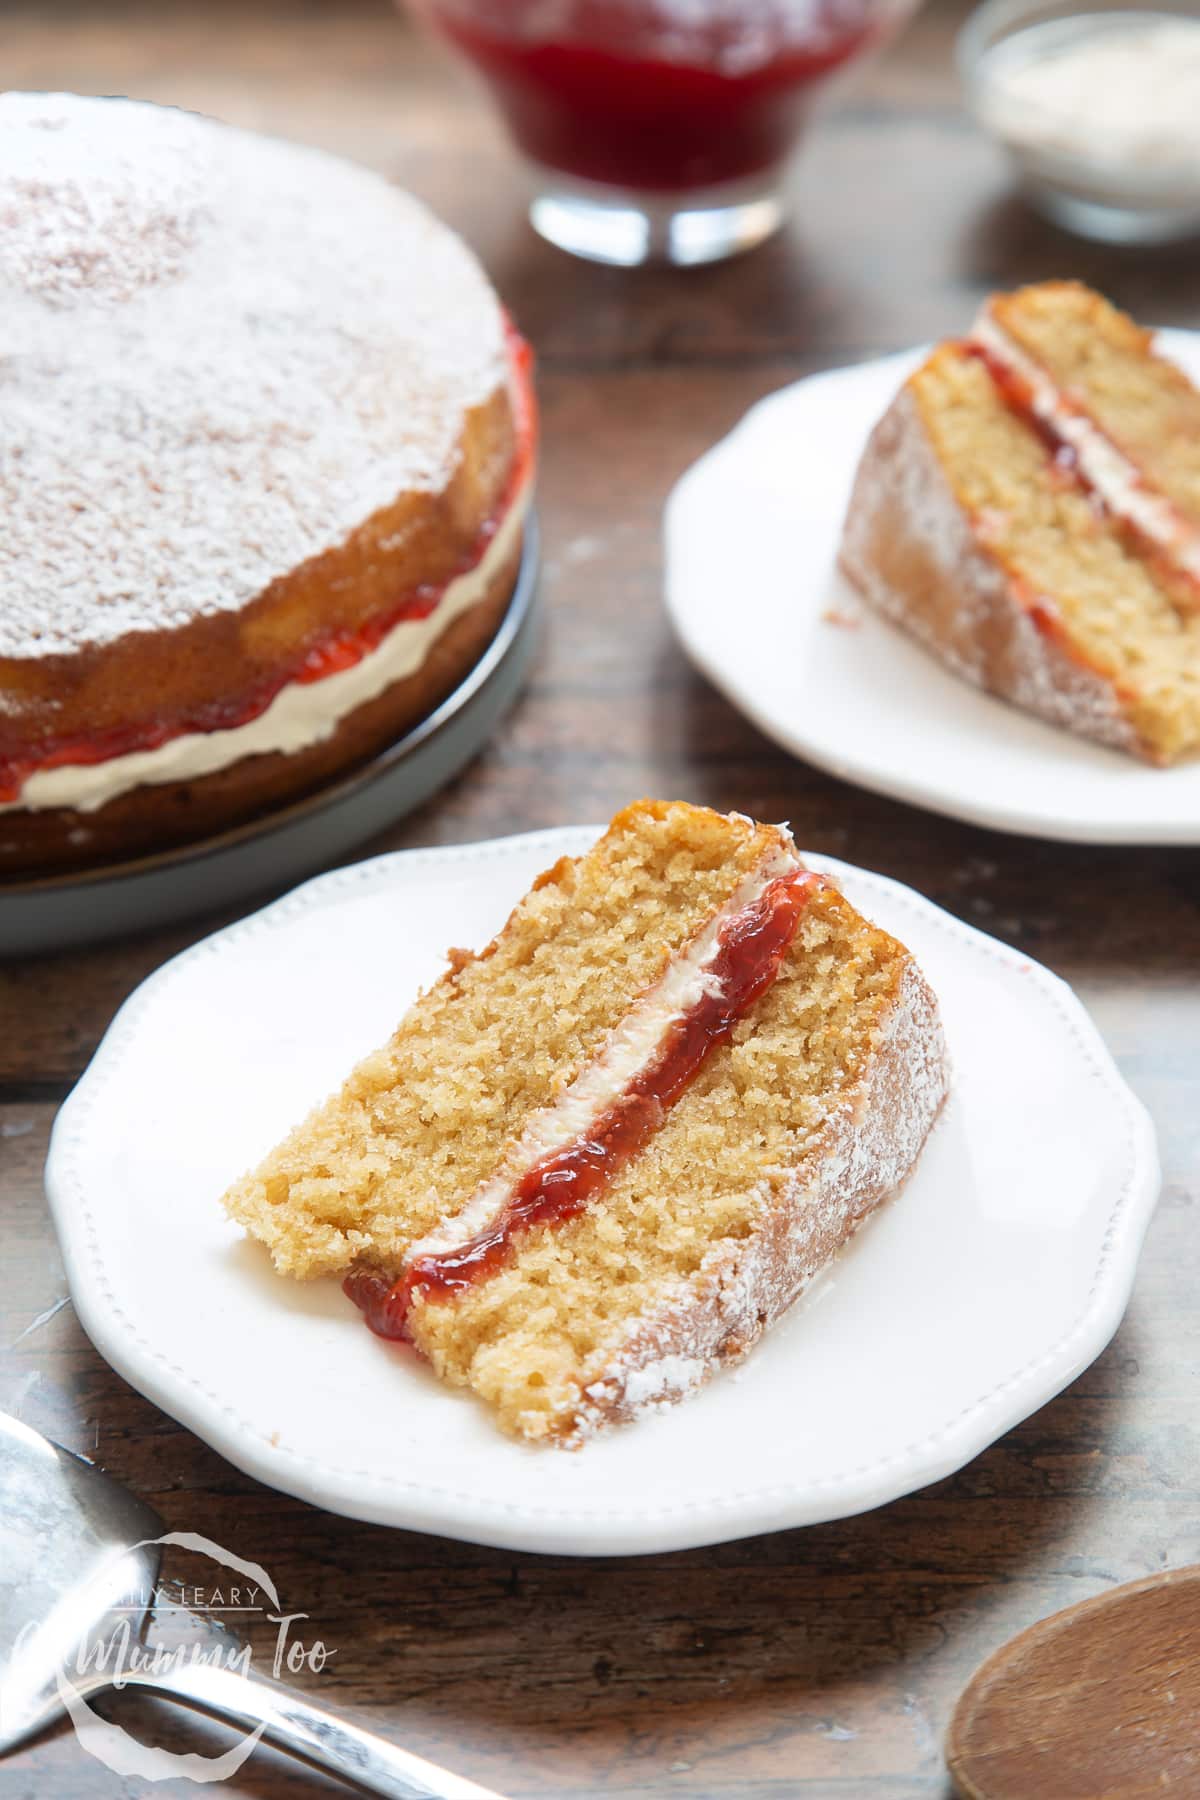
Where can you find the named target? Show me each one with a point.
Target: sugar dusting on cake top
(219, 353)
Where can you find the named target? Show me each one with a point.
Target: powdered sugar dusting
(219, 353)
(663, 1381)
(965, 609)
(868, 1144)
(84, 206)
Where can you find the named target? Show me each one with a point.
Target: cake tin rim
(240, 868)
(329, 793)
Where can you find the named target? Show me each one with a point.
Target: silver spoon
(73, 1555)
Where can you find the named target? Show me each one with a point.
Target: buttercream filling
(637, 1070)
(300, 715)
(629, 1048)
(1117, 481)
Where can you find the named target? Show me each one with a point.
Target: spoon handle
(290, 1722)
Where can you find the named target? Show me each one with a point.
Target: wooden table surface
(822, 1662)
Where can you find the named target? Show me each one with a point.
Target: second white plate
(995, 1277)
(752, 586)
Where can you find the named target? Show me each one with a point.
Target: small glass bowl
(659, 130)
(1087, 188)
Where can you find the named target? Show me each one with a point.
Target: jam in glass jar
(659, 129)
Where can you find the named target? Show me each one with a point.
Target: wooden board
(823, 1663)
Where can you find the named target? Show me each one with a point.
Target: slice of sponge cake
(597, 1159)
(1029, 508)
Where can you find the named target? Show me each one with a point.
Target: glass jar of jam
(658, 129)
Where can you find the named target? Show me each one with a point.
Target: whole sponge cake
(1029, 508)
(598, 1158)
(265, 447)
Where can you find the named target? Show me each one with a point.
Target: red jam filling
(611, 94)
(751, 947)
(339, 650)
(1017, 395)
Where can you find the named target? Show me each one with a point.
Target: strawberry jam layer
(1018, 396)
(339, 649)
(750, 950)
(610, 106)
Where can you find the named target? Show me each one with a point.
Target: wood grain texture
(1100, 1699)
(822, 1663)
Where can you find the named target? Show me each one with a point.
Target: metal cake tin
(61, 911)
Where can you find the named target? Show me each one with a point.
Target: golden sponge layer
(1117, 615)
(791, 1132)
(531, 1339)
(1097, 355)
(992, 520)
(424, 1119)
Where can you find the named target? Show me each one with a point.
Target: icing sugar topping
(867, 1142)
(219, 353)
(85, 207)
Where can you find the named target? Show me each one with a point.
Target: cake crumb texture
(424, 1119)
(963, 529)
(1102, 359)
(793, 1129)
(786, 1140)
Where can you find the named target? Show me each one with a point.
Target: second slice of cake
(598, 1158)
(1029, 508)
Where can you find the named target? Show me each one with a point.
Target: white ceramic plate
(996, 1276)
(751, 536)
